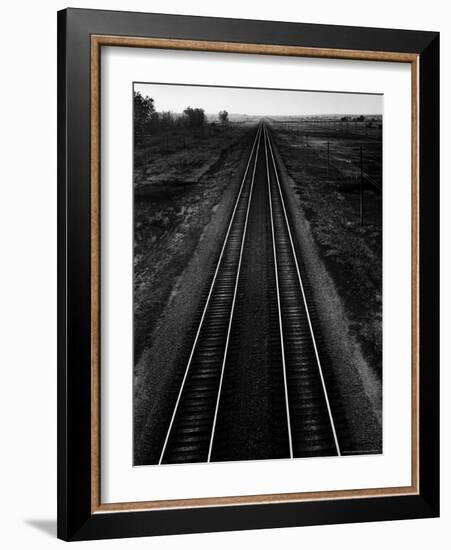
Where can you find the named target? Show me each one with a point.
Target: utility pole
(328, 159)
(361, 186)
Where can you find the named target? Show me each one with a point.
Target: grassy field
(179, 179)
(323, 157)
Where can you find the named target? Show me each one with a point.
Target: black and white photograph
(257, 274)
(226, 282)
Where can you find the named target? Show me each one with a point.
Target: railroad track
(307, 425)
(311, 426)
(191, 431)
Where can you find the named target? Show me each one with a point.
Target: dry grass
(176, 191)
(330, 200)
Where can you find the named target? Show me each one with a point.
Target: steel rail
(279, 309)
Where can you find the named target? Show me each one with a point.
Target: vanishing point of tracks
(306, 425)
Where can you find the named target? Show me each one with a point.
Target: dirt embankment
(170, 280)
(347, 292)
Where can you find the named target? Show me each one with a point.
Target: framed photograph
(248, 274)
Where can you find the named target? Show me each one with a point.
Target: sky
(251, 101)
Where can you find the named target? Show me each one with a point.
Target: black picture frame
(76, 521)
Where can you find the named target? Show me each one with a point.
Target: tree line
(147, 120)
